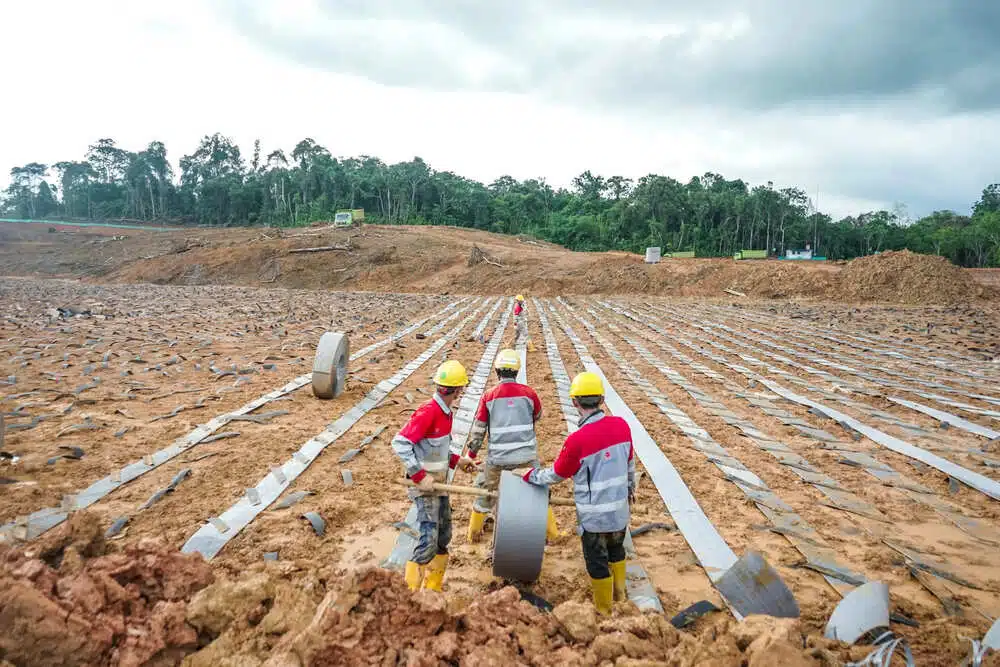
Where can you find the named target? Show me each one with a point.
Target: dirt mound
(906, 277)
(769, 280)
(125, 608)
(372, 619)
(445, 260)
(68, 604)
(64, 602)
(269, 617)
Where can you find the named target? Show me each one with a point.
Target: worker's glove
(524, 473)
(423, 481)
(468, 464)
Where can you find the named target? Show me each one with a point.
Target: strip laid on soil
(273, 590)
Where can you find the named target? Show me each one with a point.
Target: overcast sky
(865, 102)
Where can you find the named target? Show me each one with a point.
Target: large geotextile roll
(329, 374)
(522, 512)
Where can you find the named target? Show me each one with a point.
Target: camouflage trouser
(434, 524)
(489, 479)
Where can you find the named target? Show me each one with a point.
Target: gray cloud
(790, 52)
(754, 67)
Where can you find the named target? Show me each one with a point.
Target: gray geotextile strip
(219, 530)
(37, 523)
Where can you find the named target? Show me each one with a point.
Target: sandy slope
(437, 260)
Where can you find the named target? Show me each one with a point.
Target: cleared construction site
(174, 491)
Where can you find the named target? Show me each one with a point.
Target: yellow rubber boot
(551, 528)
(476, 520)
(435, 573)
(618, 575)
(603, 593)
(414, 575)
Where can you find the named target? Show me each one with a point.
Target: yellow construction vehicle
(352, 217)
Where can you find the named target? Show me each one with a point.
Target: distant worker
(520, 321)
(599, 458)
(424, 446)
(508, 413)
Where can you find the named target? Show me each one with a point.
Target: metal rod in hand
(476, 491)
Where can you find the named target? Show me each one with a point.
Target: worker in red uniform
(520, 320)
(600, 459)
(424, 446)
(507, 414)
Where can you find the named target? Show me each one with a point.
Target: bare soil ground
(436, 260)
(96, 375)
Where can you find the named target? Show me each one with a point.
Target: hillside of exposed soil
(451, 260)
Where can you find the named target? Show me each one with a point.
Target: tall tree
(990, 200)
(709, 214)
(24, 190)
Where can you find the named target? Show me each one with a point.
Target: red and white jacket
(600, 459)
(507, 412)
(424, 443)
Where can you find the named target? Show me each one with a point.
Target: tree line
(709, 214)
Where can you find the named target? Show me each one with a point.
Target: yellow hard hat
(508, 360)
(451, 374)
(586, 384)
(519, 297)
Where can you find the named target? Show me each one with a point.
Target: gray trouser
(489, 479)
(520, 329)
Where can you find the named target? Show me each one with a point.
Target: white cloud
(143, 71)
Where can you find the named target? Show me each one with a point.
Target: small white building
(799, 254)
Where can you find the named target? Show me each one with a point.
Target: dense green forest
(708, 214)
